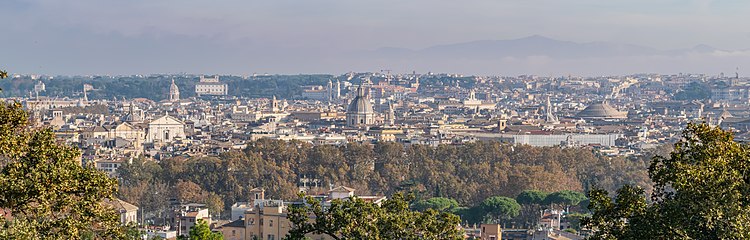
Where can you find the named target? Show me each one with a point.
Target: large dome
(360, 113)
(360, 104)
(601, 110)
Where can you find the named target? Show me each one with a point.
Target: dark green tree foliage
(49, 195)
(501, 208)
(700, 192)
(565, 198)
(157, 87)
(201, 232)
(532, 197)
(531, 205)
(439, 204)
(3, 75)
(694, 91)
(354, 218)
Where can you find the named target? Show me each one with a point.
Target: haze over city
(330, 119)
(289, 37)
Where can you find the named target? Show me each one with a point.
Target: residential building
(128, 212)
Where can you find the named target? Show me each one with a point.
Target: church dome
(173, 88)
(174, 92)
(601, 110)
(360, 104)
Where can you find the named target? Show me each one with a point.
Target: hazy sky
(308, 36)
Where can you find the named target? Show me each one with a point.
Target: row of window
(252, 221)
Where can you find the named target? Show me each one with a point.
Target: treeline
(157, 87)
(468, 173)
(522, 211)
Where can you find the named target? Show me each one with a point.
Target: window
(233, 232)
(270, 236)
(270, 223)
(261, 222)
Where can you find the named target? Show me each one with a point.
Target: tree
(49, 193)
(565, 198)
(694, 91)
(200, 231)
(701, 191)
(531, 205)
(531, 197)
(3, 75)
(501, 208)
(439, 204)
(353, 218)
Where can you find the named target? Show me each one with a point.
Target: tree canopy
(531, 197)
(353, 218)
(48, 193)
(501, 208)
(565, 198)
(439, 204)
(468, 173)
(701, 191)
(201, 231)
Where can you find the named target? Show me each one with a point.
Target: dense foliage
(353, 218)
(467, 173)
(46, 192)
(201, 231)
(701, 191)
(157, 87)
(694, 91)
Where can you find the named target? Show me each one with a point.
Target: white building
(317, 93)
(210, 86)
(165, 129)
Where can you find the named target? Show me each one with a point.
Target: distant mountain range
(536, 46)
(547, 56)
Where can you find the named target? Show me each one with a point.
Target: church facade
(165, 129)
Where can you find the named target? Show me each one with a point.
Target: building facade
(210, 86)
(165, 129)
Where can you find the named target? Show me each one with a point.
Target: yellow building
(491, 232)
(267, 219)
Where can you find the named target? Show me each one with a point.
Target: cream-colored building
(187, 216)
(267, 219)
(165, 130)
(127, 131)
(210, 86)
(234, 230)
(491, 232)
(128, 212)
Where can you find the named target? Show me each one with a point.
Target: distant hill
(542, 55)
(536, 46)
